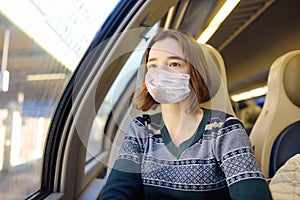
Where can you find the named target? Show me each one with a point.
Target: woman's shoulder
(220, 119)
(219, 116)
(145, 120)
(146, 124)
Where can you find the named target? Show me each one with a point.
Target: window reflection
(37, 75)
(97, 134)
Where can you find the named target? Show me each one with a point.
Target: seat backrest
(286, 145)
(219, 97)
(280, 110)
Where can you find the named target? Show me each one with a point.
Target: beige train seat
(218, 91)
(276, 134)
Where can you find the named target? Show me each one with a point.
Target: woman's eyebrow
(176, 58)
(169, 58)
(152, 59)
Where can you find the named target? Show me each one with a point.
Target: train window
(42, 44)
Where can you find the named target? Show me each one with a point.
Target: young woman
(186, 152)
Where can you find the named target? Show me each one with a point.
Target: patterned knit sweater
(217, 162)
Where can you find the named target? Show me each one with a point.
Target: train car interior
(275, 134)
(66, 98)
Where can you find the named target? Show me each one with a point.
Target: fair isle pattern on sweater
(214, 158)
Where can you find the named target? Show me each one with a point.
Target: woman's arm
(124, 180)
(250, 189)
(234, 153)
(123, 184)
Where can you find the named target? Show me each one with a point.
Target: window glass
(96, 143)
(42, 43)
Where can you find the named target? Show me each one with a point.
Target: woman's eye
(174, 64)
(150, 66)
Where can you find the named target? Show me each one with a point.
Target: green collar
(177, 151)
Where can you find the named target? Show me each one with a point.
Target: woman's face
(167, 54)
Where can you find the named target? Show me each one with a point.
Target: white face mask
(167, 87)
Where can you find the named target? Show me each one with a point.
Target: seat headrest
(291, 79)
(218, 97)
(215, 63)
